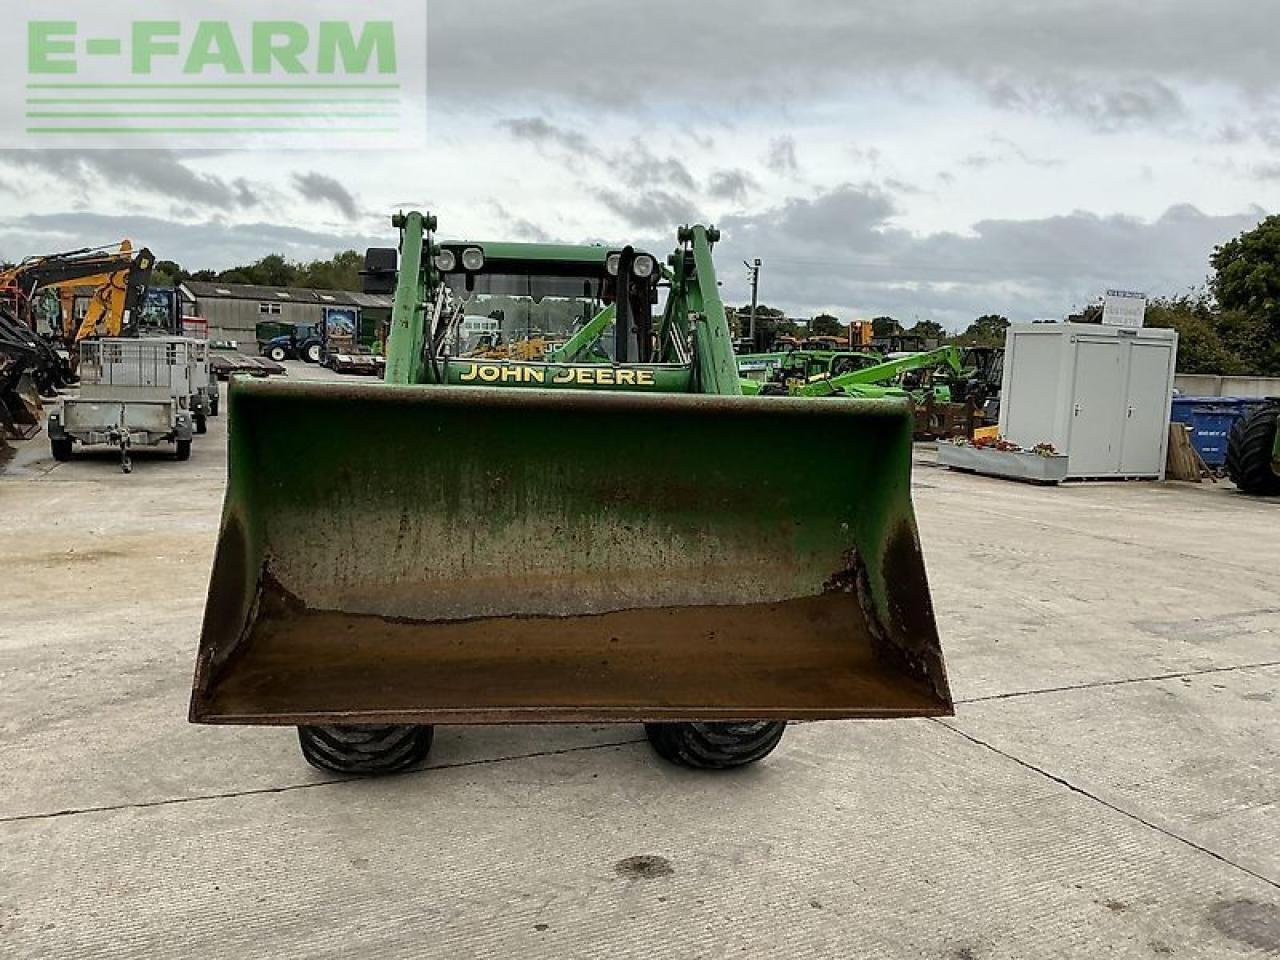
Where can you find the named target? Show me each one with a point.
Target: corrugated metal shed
(234, 310)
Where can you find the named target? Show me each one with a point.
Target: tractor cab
(537, 296)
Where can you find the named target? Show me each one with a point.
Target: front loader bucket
(417, 555)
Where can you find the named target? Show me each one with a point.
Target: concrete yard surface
(1108, 787)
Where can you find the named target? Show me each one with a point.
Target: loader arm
(950, 357)
(696, 294)
(583, 340)
(416, 290)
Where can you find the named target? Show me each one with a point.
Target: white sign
(1125, 308)
(235, 74)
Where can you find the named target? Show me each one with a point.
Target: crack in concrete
(1061, 781)
(291, 788)
(1210, 671)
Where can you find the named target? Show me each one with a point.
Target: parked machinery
(115, 278)
(538, 542)
(292, 342)
(1253, 452)
(29, 368)
(133, 393)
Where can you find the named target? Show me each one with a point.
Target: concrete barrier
(1206, 385)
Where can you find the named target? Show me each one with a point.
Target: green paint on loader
(496, 542)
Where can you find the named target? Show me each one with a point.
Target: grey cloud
(1109, 63)
(650, 210)
(211, 243)
(641, 167)
(781, 157)
(1006, 151)
(318, 187)
(840, 249)
(732, 185)
(540, 131)
(1108, 107)
(159, 173)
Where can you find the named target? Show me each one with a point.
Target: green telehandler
(1253, 452)
(569, 539)
(865, 378)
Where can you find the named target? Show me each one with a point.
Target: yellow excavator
(115, 276)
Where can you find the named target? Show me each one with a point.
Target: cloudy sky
(920, 158)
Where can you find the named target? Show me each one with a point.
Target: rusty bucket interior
(452, 555)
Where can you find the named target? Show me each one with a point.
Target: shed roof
(214, 290)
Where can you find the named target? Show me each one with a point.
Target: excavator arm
(119, 277)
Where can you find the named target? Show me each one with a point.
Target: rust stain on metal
(810, 658)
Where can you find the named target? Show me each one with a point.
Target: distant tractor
(301, 342)
(1253, 452)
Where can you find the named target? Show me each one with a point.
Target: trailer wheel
(365, 751)
(278, 354)
(182, 450)
(1249, 453)
(714, 746)
(313, 353)
(202, 424)
(62, 449)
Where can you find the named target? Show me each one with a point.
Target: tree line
(1230, 327)
(339, 272)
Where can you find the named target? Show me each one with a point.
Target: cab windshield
(529, 314)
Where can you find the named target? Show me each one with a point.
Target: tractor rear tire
(1249, 453)
(314, 353)
(62, 449)
(215, 404)
(202, 425)
(182, 451)
(365, 751)
(714, 746)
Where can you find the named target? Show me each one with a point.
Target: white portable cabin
(1101, 395)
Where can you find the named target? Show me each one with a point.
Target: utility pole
(753, 273)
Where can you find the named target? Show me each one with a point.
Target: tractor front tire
(1249, 453)
(202, 425)
(278, 354)
(62, 449)
(215, 403)
(714, 746)
(182, 450)
(365, 751)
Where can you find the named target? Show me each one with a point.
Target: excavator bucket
(419, 555)
(21, 412)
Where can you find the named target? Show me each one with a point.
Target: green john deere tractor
(581, 537)
(1253, 452)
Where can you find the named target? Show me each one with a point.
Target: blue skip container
(1211, 420)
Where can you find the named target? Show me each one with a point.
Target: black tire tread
(365, 751)
(1249, 453)
(714, 746)
(63, 449)
(182, 450)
